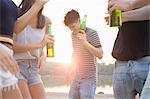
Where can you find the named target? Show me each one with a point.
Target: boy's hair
(71, 17)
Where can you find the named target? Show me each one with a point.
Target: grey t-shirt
(85, 61)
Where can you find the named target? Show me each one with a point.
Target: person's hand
(8, 63)
(47, 39)
(41, 2)
(41, 64)
(81, 36)
(107, 19)
(124, 5)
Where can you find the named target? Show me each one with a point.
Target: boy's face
(74, 26)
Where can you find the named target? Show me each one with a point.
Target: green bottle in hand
(50, 47)
(116, 18)
(83, 24)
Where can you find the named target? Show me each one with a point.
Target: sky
(95, 10)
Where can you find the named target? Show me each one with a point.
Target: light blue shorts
(29, 71)
(82, 89)
(129, 78)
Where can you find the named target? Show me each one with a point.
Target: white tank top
(30, 36)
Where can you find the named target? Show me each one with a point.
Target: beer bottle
(116, 18)
(83, 24)
(50, 47)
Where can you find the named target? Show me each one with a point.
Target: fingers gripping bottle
(116, 18)
(50, 47)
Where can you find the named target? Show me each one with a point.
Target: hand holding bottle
(47, 39)
(123, 5)
(50, 46)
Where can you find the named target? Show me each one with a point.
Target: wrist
(40, 45)
(127, 16)
(38, 4)
(85, 42)
(124, 17)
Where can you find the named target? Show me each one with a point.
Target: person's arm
(22, 21)
(19, 47)
(137, 14)
(42, 59)
(93, 50)
(126, 5)
(42, 62)
(8, 63)
(139, 3)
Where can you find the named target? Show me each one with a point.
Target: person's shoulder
(90, 31)
(47, 20)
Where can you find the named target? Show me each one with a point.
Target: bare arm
(126, 5)
(22, 21)
(139, 3)
(93, 50)
(19, 47)
(137, 15)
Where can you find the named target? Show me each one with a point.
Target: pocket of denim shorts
(34, 70)
(141, 70)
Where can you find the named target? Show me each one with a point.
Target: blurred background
(55, 78)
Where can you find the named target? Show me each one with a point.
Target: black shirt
(8, 16)
(133, 41)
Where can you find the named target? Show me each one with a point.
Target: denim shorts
(7, 80)
(129, 77)
(29, 71)
(82, 89)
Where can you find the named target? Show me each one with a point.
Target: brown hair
(25, 5)
(71, 17)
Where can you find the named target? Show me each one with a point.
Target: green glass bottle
(83, 24)
(116, 18)
(49, 46)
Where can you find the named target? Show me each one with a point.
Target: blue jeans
(129, 78)
(82, 89)
(146, 90)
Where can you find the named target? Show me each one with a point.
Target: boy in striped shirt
(86, 47)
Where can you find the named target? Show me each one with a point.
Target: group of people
(24, 33)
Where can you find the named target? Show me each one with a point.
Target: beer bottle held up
(83, 23)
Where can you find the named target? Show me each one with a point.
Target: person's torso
(133, 41)
(86, 62)
(30, 36)
(8, 16)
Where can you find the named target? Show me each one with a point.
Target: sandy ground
(64, 96)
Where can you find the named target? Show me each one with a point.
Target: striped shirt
(85, 61)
